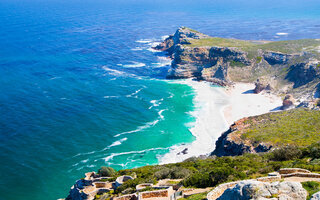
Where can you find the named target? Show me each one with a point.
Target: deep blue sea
(81, 88)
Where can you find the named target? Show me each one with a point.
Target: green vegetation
(288, 46)
(300, 127)
(211, 171)
(296, 132)
(259, 58)
(190, 29)
(200, 196)
(236, 64)
(221, 42)
(312, 187)
(107, 171)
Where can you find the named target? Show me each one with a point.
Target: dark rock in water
(288, 102)
(185, 151)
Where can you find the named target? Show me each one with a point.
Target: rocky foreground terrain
(283, 66)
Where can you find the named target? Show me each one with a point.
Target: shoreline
(209, 102)
(216, 108)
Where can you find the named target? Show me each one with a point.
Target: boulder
(251, 189)
(288, 102)
(315, 196)
(259, 87)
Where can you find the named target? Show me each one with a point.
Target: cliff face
(265, 132)
(287, 66)
(230, 142)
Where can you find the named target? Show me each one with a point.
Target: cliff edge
(285, 66)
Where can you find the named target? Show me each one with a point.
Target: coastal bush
(311, 187)
(286, 153)
(179, 172)
(129, 184)
(163, 173)
(199, 180)
(211, 171)
(107, 171)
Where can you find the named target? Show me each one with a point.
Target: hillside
(298, 127)
(286, 66)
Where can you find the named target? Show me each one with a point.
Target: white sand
(244, 103)
(216, 109)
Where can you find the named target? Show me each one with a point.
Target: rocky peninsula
(291, 66)
(263, 155)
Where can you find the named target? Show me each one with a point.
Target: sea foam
(209, 122)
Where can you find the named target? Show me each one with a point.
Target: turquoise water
(80, 87)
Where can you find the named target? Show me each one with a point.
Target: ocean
(82, 88)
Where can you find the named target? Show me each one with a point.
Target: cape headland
(265, 155)
(291, 66)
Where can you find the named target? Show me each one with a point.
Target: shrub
(163, 173)
(200, 180)
(312, 187)
(289, 152)
(314, 151)
(179, 172)
(107, 171)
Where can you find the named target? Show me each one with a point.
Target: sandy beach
(216, 109)
(243, 102)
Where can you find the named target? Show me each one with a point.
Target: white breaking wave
(113, 72)
(146, 126)
(132, 152)
(155, 103)
(160, 113)
(140, 128)
(208, 126)
(281, 34)
(163, 61)
(135, 93)
(116, 143)
(133, 65)
(144, 41)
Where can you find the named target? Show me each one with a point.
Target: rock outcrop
(222, 61)
(315, 196)
(246, 190)
(181, 36)
(288, 102)
(230, 142)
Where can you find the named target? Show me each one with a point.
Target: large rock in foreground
(315, 196)
(246, 190)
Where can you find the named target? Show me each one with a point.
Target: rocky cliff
(268, 131)
(286, 66)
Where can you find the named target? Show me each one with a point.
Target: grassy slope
(299, 127)
(288, 46)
